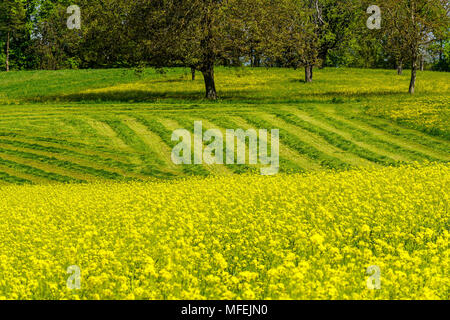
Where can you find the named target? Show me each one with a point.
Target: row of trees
(202, 34)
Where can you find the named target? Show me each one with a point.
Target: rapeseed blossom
(235, 237)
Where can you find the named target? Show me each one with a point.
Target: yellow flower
(233, 237)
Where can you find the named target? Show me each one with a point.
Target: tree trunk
(257, 61)
(7, 52)
(208, 75)
(308, 73)
(207, 67)
(412, 85)
(400, 68)
(193, 73)
(422, 63)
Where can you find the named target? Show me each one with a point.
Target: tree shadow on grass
(246, 96)
(120, 96)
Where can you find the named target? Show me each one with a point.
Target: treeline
(201, 34)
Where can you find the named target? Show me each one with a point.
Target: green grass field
(87, 125)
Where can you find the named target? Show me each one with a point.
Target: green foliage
(12, 16)
(202, 34)
(442, 52)
(12, 25)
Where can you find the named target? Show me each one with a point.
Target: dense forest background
(110, 36)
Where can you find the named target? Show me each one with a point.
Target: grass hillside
(90, 125)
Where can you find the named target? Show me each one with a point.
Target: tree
(313, 28)
(52, 43)
(303, 35)
(312, 37)
(413, 24)
(181, 33)
(12, 21)
(336, 21)
(440, 51)
(200, 33)
(328, 25)
(107, 33)
(293, 39)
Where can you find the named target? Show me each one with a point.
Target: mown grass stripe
(293, 142)
(290, 161)
(410, 136)
(164, 132)
(327, 151)
(395, 135)
(79, 125)
(150, 164)
(315, 118)
(36, 171)
(153, 141)
(337, 140)
(299, 159)
(12, 172)
(396, 130)
(56, 150)
(170, 124)
(361, 141)
(234, 168)
(103, 129)
(379, 139)
(27, 117)
(5, 177)
(188, 124)
(64, 164)
(63, 156)
(66, 143)
(164, 128)
(232, 122)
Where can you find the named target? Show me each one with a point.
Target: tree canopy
(201, 34)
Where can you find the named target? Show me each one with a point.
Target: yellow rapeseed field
(236, 237)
